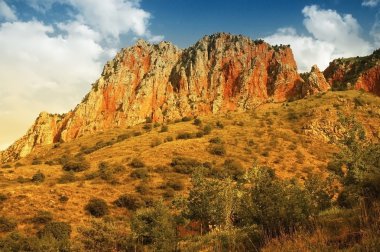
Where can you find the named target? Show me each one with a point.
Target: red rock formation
(315, 82)
(358, 73)
(219, 73)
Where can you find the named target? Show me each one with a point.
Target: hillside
(296, 138)
(219, 73)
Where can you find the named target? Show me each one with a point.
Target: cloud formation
(370, 3)
(331, 36)
(6, 12)
(49, 67)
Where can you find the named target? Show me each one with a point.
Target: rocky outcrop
(358, 73)
(220, 73)
(315, 82)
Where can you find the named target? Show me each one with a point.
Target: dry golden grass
(265, 136)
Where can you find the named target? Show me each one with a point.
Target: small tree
(155, 227)
(97, 207)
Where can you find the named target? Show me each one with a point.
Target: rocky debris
(220, 73)
(315, 82)
(358, 73)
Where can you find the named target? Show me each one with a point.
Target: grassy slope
(266, 136)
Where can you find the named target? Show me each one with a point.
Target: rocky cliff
(220, 73)
(357, 72)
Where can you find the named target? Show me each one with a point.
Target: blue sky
(52, 50)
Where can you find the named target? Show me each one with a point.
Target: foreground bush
(39, 177)
(57, 230)
(97, 207)
(130, 202)
(185, 165)
(77, 164)
(42, 217)
(6, 224)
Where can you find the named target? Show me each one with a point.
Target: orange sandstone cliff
(358, 73)
(220, 73)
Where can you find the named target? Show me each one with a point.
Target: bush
(36, 161)
(97, 207)
(234, 169)
(130, 202)
(219, 125)
(63, 198)
(216, 140)
(197, 121)
(123, 137)
(57, 230)
(67, 177)
(169, 139)
(217, 149)
(39, 177)
(148, 119)
(186, 119)
(42, 217)
(107, 171)
(176, 185)
(141, 173)
(199, 134)
(7, 225)
(164, 128)
(6, 166)
(168, 193)
(76, 165)
(185, 135)
(137, 163)
(3, 197)
(18, 164)
(142, 188)
(184, 165)
(147, 127)
(207, 129)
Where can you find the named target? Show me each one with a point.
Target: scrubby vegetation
(255, 181)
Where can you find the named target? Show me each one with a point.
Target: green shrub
(199, 134)
(155, 226)
(219, 125)
(130, 202)
(141, 173)
(148, 119)
(57, 230)
(142, 188)
(185, 165)
(233, 169)
(137, 133)
(76, 165)
(107, 171)
(207, 129)
(36, 161)
(63, 198)
(42, 217)
(164, 128)
(185, 135)
(18, 164)
(39, 177)
(197, 122)
(123, 137)
(169, 139)
(216, 140)
(137, 163)
(3, 197)
(5, 166)
(176, 185)
(6, 224)
(97, 207)
(147, 127)
(186, 119)
(217, 149)
(67, 177)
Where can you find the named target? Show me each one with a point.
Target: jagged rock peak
(315, 82)
(219, 73)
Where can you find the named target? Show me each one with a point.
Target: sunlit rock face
(220, 73)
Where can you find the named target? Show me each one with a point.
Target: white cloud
(6, 12)
(370, 3)
(331, 36)
(375, 31)
(49, 67)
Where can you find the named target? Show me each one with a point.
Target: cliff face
(315, 82)
(358, 73)
(221, 72)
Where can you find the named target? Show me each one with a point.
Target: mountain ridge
(219, 73)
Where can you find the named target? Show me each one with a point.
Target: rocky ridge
(220, 73)
(358, 73)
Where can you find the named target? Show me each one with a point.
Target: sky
(51, 51)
